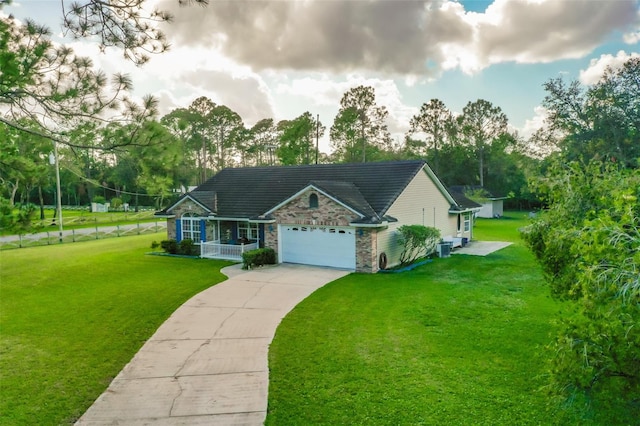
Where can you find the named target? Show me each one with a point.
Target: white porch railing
(216, 250)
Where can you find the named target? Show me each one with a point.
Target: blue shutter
(261, 234)
(203, 230)
(178, 230)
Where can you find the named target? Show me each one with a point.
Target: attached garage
(318, 245)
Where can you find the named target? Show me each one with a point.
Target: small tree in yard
(417, 241)
(18, 220)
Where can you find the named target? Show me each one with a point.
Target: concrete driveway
(207, 364)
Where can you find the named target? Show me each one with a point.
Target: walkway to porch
(216, 250)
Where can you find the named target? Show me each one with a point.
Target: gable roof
(346, 192)
(463, 202)
(368, 188)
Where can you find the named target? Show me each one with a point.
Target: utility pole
(58, 193)
(317, 134)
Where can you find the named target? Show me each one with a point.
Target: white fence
(82, 234)
(215, 250)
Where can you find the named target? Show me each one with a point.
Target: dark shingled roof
(206, 198)
(347, 193)
(248, 192)
(463, 202)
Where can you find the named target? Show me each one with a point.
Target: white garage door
(318, 245)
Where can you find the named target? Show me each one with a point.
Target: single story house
(336, 215)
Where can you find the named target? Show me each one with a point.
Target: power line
(99, 185)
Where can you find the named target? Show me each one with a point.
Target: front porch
(218, 250)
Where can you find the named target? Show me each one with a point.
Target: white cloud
(537, 31)
(534, 123)
(185, 73)
(631, 38)
(398, 36)
(326, 91)
(597, 67)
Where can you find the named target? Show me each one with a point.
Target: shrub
(116, 203)
(169, 246)
(417, 241)
(99, 199)
(155, 244)
(258, 257)
(187, 247)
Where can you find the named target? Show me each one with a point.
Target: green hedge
(258, 257)
(186, 247)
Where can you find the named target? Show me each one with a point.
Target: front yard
(71, 316)
(454, 342)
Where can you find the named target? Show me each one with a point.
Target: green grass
(457, 341)
(72, 316)
(503, 229)
(78, 219)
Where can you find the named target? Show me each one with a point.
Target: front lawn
(71, 316)
(454, 342)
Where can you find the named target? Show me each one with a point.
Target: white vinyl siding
(421, 203)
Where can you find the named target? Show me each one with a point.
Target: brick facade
(328, 213)
(366, 250)
(187, 206)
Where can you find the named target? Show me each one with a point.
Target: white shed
(492, 207)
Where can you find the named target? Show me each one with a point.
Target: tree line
(157, 156)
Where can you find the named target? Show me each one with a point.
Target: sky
(280, 58)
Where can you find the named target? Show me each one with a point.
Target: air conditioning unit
(444, 249)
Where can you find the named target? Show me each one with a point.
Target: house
(336, 215)
(492, 205)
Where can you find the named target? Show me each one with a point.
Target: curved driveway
(207, 364)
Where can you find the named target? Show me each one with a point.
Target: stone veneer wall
(171, 228)
(328, 212)
(366, 251)
(271, 236)
(182, 209)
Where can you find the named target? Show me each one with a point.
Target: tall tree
(297, 141)
(56, 89)
(264, 142)
(481, 122)
(202, 132)
(601, 121)
(126, 24)
(505, 166)
(241, 140)
(24, 163)
(152, 162)
(226, 123)
(182, 123)
(436, 123)
(359, 124)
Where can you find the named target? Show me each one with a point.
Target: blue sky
(281, 58)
